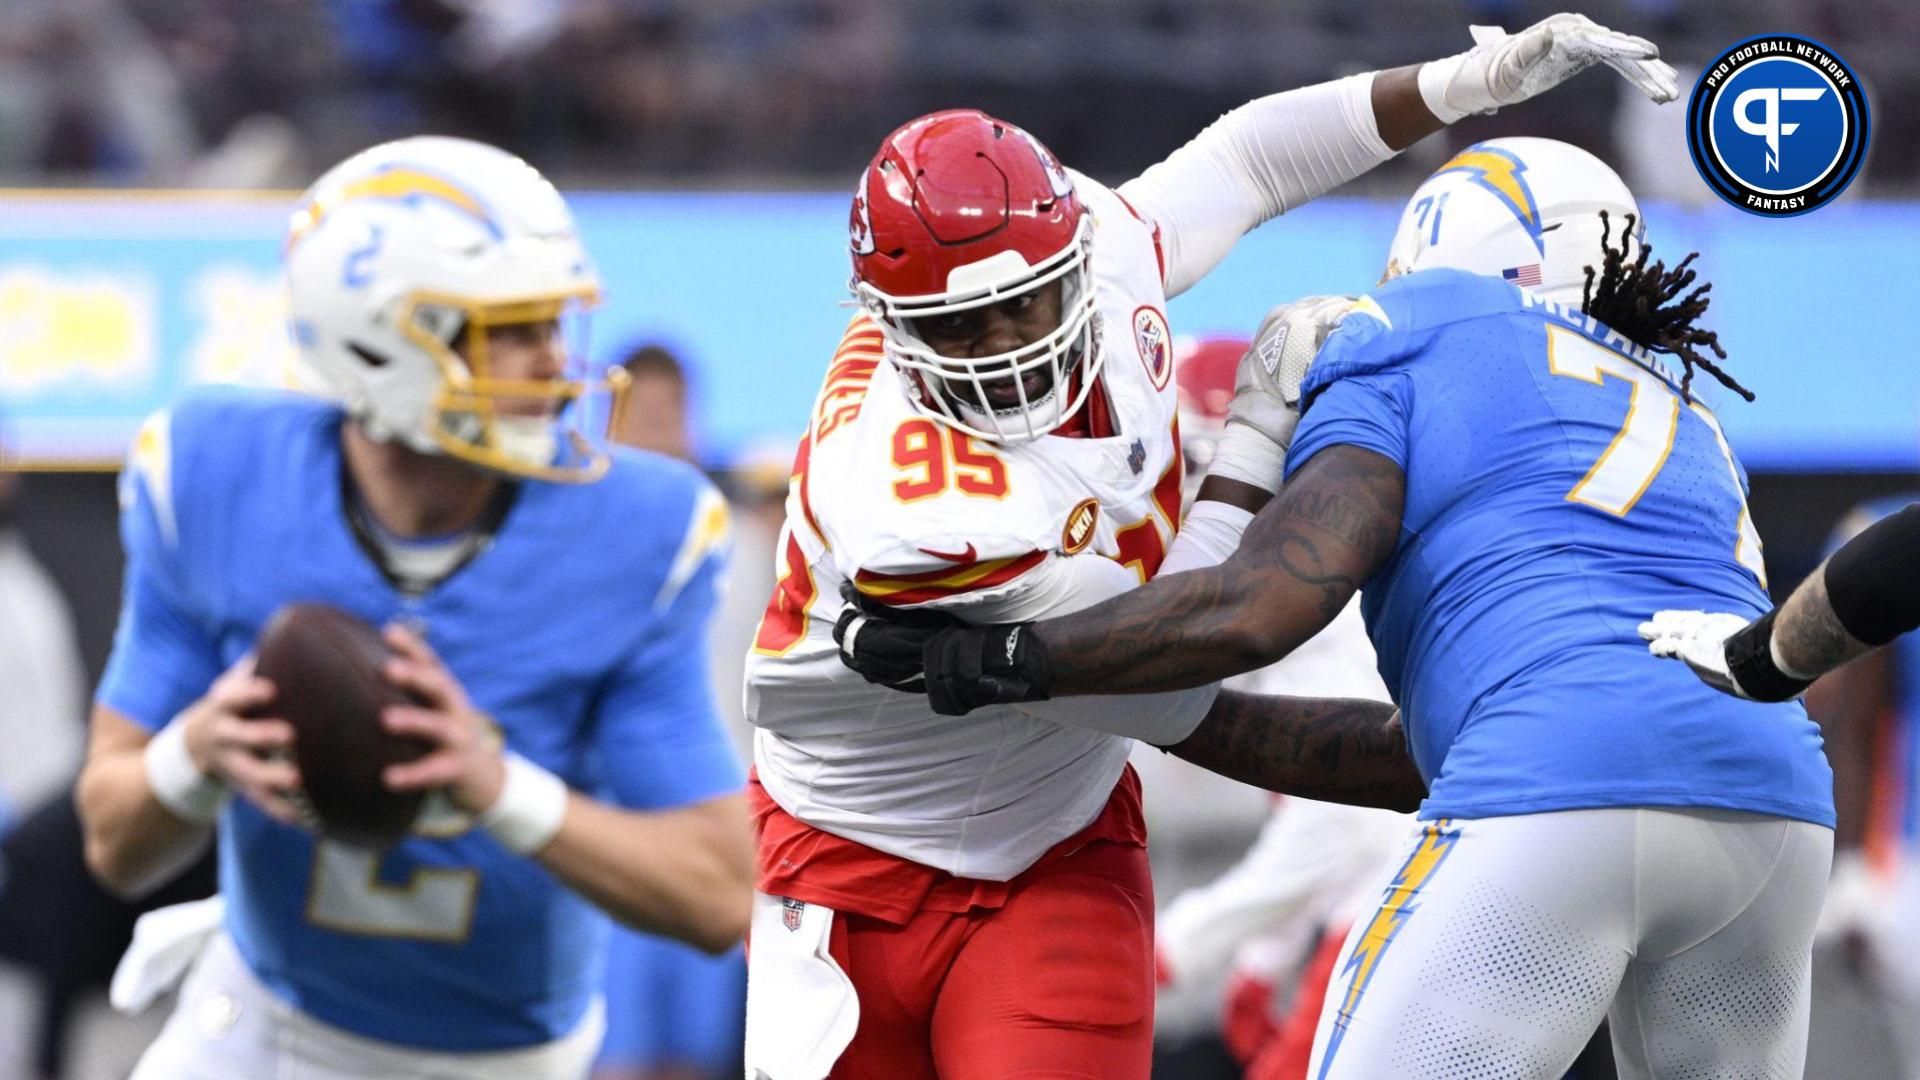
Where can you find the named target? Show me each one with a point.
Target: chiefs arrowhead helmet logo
(1057, 177)
(860, 223)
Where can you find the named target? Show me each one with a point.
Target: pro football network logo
(1778, 125)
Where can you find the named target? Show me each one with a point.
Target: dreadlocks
(1634, 298)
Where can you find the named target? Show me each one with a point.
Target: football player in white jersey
(970, 897)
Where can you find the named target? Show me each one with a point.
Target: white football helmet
(1523, 209)
(401, 249)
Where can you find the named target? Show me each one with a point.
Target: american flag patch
(1528, 275)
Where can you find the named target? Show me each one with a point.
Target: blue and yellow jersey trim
(150, 467)
(708, 534)
(1437, 840)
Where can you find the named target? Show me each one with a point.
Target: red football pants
(1056, 983)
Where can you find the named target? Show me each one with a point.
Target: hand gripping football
(325, 666)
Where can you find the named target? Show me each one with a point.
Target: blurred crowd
(619, 93)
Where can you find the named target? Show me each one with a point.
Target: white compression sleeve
(1255, 163)
(1209, 534)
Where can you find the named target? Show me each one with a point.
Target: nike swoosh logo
(966, 556)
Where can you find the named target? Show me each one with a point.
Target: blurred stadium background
(149, 150)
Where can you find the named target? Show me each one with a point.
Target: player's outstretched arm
(1275, 153)
(1343, 750)
(1860, 599)
(1298, 563)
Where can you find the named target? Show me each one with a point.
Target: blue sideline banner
(112, 304)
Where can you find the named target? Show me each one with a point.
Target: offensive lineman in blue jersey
(1513, 477)
(552, 596)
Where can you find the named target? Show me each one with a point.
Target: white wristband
(1247, 455)
(179, 785)
(531, 805)
(1434, 78)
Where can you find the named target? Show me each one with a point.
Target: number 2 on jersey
(347, 895)
(1627, 467)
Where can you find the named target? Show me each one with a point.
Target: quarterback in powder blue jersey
(1506, 450)
(538, 590)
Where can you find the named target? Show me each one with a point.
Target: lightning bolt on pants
(1494, 947)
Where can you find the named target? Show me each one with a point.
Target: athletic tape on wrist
(528, 812)
(1433, 79)
(179, 785)
(1250, 457)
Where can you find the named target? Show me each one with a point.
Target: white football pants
(229, 1026)
(1496, 946)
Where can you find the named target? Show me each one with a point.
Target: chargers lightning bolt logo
(1436, 841)
(1505, 176)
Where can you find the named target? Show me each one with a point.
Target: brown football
(325, 667)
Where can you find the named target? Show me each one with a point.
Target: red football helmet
(957, 211)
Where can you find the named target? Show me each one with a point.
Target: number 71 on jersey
(1627, 467)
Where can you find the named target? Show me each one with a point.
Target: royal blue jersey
(581, 628)
(1559, 490)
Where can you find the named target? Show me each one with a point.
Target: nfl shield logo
(790, 910)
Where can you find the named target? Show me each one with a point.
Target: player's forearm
(1398, 109)
(1300, 561)
(1331, 749)
(1808, 639)
(1180, 631)
(133, 844)
(686, 873)
(1860, 599)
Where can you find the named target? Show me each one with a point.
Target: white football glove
(1266, 396)
(1503, 69)
(1700, 639)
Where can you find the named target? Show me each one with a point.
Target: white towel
(166, 941)
(801, 1007)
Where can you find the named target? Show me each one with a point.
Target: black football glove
(958, 667)
(970, 666)
(884, 644)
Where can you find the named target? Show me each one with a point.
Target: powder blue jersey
(1559, 490)
(581, 629)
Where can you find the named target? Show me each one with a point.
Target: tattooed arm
(1340, 750)
(1299, 562)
